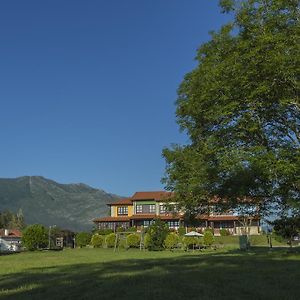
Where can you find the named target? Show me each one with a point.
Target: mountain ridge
(45, 201)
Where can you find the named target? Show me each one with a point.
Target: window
(173, 224)
(162, 209)
(123, 210)
(145, 209)
(139, 209)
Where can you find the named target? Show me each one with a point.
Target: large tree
(240, 107)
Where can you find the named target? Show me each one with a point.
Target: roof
(112, 219)
(13, 233)
(157, 196)
(125, 201)
(153, 216)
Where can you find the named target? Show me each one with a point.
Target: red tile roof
(143, 217)
(15, 233)
(157, 196)
(125, 201)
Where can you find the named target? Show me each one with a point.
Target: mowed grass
(133, 274)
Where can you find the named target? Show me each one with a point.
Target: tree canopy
(240, 108)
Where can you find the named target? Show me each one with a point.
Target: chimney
(6, 232)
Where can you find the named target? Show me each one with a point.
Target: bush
(131, 229)
(181, 230)
(97, 241)
(133, 240)
(224, 232)
(110, 240)
(147, 240)
(83, 239)
(210, 230)
(190, 241)
(157, 234)
(171, 241)
(35, 237)
(120, 229)
(105, 231)
(208, 238)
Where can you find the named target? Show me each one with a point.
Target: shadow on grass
(234, 275)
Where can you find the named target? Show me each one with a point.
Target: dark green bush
(104, 231)
(133, 240)
(157, 234)
(82, 239)
(224, 232)
(146, 240)
(208, 238)
(131, 229)
(190, 241)
(120, 229)
(171, 241)
(110, 240)
(181, 230)
(97, 241)
(35, 237)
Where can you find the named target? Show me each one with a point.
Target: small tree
(157, 234)
(224, 232)
(171, 241)
(208, 238)
(181, 231)
(97, 241)
(287, 228)
(133, 240)
(35, 237)
(83, 239)
(110, 240)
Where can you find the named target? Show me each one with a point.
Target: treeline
(10, 220)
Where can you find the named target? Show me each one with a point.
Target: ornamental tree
(35, 237)
(240, 108)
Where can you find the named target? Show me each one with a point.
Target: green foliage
(147, 240)
(224, 232)
(97, 241)
(131, 229)
(181, 231)
(120, 229)
(241, 111)
(83, 239)
(104, 231)
(171, 241)
(35, 237)
(110, 240)
(11, 220)
(287, 228)
(191, 242)
(208, 238)
(157, 234)
(133, 240)
(209, 230)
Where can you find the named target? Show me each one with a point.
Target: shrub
(181, 230)
(171, 241)
(120, 229)
(133, 240)
(110, 240)
(83, 239)
(190, 241)
(131, 229)
(210, 230)
(105, 231)
(208, 238)
(224, 232)
(147, 240)
(97, 241)
(157, 234)
(35, 237)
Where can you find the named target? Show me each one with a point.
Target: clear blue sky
(88, 88)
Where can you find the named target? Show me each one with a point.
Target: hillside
(69, 206)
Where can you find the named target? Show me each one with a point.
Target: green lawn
(102, 274)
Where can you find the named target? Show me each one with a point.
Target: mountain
(44, 201)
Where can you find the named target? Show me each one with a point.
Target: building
(10, 239)
(143, 207)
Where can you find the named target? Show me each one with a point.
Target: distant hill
(44, 201)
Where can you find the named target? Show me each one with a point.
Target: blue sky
(88, 88)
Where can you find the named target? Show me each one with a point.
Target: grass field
(102, 274)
